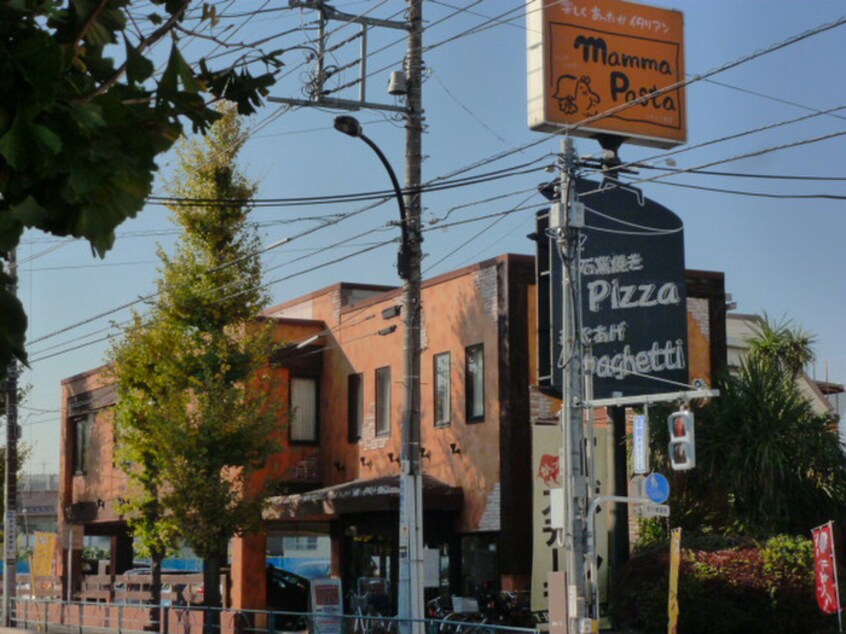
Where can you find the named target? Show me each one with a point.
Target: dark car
(287, 594)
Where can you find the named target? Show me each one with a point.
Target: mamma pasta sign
(589, 59)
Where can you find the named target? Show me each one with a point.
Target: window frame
(316, 426)
(470, 395)
(383, 405)
(82, 428)
(436, 383)
(355, 406)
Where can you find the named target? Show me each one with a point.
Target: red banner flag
(825, 569)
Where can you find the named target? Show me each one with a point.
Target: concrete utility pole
(567, 224)
(410, 559)
(11, 482)
(410, 593)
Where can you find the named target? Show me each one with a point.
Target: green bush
(724, 588)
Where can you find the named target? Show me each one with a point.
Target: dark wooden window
(81, 429)
(355, 405)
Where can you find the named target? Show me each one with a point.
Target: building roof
(361, 496)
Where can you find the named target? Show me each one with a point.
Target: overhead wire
(737, 192)
(518, 170)
(476, 236)
(264, 285)
(630, 104)
(738, 157)
(726, 66)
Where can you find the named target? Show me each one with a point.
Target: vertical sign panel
(547, 557)
(640, 443)
(825, 570)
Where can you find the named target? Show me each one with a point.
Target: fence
(80, 617)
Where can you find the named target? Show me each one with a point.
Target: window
(303, 409)
(81, 427)
(300, 542)
(474, 382)
(443, 395)
(383, 401)
(355, 405)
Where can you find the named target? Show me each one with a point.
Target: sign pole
(572, 426)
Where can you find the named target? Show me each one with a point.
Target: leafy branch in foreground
(80, 133)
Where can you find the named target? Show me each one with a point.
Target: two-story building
(340, 361)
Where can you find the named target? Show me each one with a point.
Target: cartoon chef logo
(549, 470)
(575, 95)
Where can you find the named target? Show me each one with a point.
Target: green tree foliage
(766, 461)
(80, 132)
(195, 418)
(735, 586)
(781, 343)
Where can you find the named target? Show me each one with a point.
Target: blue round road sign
(657, 488)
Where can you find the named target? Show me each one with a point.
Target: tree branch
(147, 42)
(89, 22)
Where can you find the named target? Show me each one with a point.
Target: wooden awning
(360, 496)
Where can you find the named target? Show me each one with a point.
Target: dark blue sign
(632, 312)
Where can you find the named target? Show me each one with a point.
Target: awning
(360, 496)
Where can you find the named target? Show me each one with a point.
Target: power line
(477, 235)
(605, 114)
(780, 177)
(356, 197)
(769, 150)
(611, 112)
(771, 98)
(730, 137)
(736, 192)
(266, 285)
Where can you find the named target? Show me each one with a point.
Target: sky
(780, 255)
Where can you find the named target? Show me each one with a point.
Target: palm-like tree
(781, 343)
(766, 462)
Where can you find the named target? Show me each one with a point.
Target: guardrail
(82, 617)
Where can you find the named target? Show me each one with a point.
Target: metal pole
(571, 417)
(411, 490)
(11, 480)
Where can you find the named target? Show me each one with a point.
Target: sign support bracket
(646, 399)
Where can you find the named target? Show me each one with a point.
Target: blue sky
(782, 256)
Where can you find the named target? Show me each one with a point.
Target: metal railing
(84, 617)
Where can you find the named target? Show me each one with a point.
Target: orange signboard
(594, 66)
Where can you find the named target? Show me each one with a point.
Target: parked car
(288, 595)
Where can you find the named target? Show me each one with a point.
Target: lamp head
(348, 125)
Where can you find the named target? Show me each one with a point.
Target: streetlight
(352, 127)
(410, 555)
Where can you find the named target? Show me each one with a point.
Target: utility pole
(410, 593)
(410, 555)
(567, 222)
(11, 480)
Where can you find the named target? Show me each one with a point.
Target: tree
(80, 134)
(766, 462)
(782, 344)
(196, 417)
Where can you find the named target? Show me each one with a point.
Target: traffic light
(682, 448)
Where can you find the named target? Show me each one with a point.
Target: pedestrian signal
(682, 448)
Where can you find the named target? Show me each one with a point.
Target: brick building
(340, 364)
